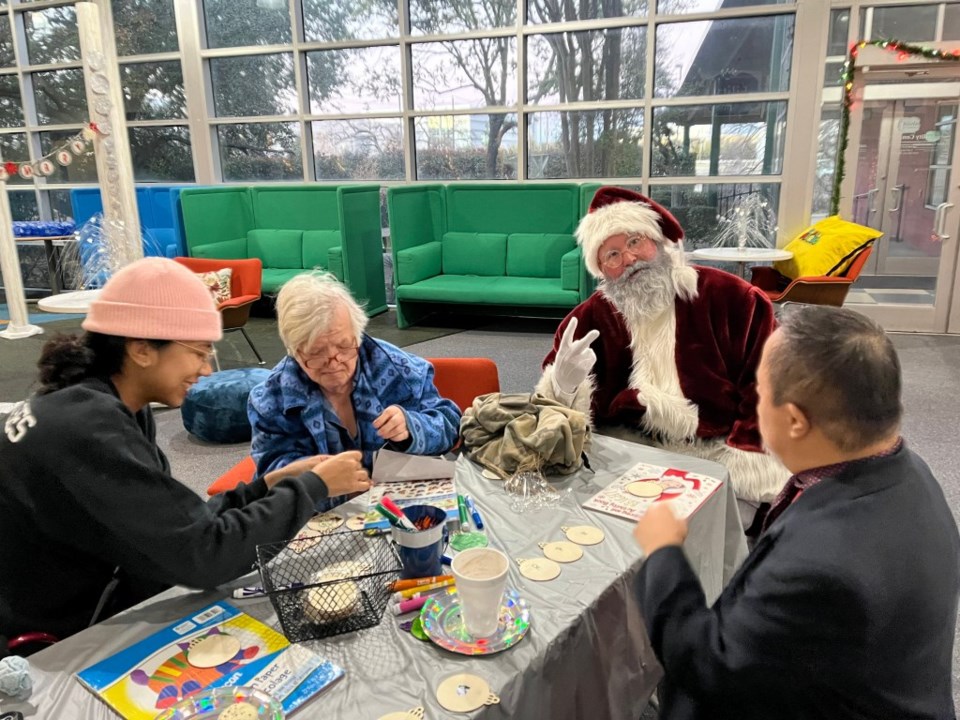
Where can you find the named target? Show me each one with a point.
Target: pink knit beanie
(155, 299)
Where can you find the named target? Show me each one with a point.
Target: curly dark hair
(67, 359)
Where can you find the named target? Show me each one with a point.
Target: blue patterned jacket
(291, 419)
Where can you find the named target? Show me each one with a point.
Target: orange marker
(417, 582)
(414, 591)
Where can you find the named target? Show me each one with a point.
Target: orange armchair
(245, 283)
(820, 290)
(463, 379)
(457, 379)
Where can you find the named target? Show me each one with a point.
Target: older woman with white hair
(339, 389)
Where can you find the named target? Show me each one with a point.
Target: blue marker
(473, 511)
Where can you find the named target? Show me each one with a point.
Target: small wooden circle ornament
(411, 714)
(539, 569)
(584, 534)
(240, 711)
(212, 650)
(356, 522)
(328, 522)
(562, 551)
(465, 693)
(645, 489)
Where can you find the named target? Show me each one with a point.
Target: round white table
(77, 303)
(742, 256)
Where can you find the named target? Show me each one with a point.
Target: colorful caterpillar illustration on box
(176, 678)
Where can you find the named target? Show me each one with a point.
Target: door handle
(939, 220)
(896, 197)
(871, 208)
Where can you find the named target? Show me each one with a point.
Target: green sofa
(292, 228)
(500, 248)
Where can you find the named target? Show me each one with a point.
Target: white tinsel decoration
(103, 250)
(750, 222)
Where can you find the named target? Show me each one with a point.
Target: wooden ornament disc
(490, 475)
(240, 711)
(562, 551)
(213, 650)
(412, 714)
(356, 522)
(331, 602)
(645, 489)
(539, 569)
(328, 522)
(465, 693)
(584, 534)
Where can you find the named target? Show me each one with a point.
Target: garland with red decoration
(904, 52)
(74, 146)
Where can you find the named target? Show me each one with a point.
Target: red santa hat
(616, 210)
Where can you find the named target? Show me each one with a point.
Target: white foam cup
(481, 578)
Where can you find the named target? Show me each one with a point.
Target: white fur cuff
(579, 400)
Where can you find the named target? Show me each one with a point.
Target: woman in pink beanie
(91, 521)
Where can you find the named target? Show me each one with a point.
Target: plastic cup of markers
(421, 551)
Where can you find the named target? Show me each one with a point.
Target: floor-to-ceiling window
(686, 99)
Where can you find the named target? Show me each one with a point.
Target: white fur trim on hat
(613, 219)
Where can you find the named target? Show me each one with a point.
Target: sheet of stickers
(632, 493)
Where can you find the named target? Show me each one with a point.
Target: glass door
(905, 185)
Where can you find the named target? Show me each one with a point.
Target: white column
(19, 326)
(101, 75)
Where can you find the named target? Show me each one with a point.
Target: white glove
(574, 360)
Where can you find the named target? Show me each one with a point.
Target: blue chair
(157, 209)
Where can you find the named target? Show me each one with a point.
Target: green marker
(464, 517)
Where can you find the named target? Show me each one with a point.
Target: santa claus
(673, 348)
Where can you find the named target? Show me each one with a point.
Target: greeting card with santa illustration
(632, 493)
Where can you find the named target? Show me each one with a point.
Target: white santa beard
(647, 301)
(644, 290)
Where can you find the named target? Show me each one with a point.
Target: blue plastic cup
(421, 551)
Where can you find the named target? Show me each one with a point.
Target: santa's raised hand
(575, 359)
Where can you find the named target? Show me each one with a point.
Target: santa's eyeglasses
(614, 258)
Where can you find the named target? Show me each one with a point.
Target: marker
(414, 591)
(243, 593)
(415, 604)
(477, 520)
(418, 582)
(446, 560)
(408, 605)
(464, 518)
(395, 509)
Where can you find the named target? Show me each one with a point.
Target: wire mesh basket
(337, 584)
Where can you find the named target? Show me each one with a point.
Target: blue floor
(36, 317)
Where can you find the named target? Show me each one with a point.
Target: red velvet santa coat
(688, 379)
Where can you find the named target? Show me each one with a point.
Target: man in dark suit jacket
(846, 607)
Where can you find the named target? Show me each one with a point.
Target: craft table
(53, 234)
(586, 655)
(71, 303)
(742, 256)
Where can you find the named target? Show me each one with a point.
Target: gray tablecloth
(586, 654)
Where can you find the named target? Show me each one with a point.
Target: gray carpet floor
(930, 370)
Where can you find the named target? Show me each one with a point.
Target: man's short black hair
(841, 369)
